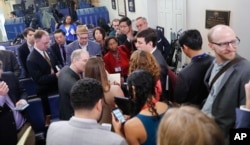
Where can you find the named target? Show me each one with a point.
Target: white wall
(239, 19)
(145, 8)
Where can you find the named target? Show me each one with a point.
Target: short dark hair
(85, 93)
(26, 31)
(13, 13)
(191, 38)
(108, 39)
(148, 34)
(125, 19)
(101, 30)
(59, 31)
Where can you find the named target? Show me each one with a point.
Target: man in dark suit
(67, 78)
(190, 87)
(83, 43)
(13, 123)
(58, 48)
(42, 68)
(10, 62)
(24, 50)
(146, 40)
(162, 42)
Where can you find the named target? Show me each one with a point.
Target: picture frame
(113, 4)
(131, 5)
(121, 8)
(214, 17)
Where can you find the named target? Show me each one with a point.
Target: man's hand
(21, 102)
(4, 89)
(247, 90)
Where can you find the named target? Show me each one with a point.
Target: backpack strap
(234, 61)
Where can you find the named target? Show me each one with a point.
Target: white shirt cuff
(243, 107)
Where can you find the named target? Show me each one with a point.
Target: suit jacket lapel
(207, 76)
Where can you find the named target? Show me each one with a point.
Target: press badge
(118, 69)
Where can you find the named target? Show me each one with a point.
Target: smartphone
(21, 107)
(123, 103)
(118, 115)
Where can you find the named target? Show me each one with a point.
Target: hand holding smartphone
(21, 107)
(118, 115)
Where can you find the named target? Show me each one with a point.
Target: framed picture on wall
(214, 17)
(113, 3)
(131, 5)
(121, 8)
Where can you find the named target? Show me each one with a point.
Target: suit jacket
(10, 62)
(231, 94)
(78, 132)
(66, 80)
(93, 48)
(40, 71)
(190, 87)
(56, 53)
(22, 54)
(163, 66)
(8, 131)
(242, 118)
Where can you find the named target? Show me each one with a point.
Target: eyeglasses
(234, 43)
(121, 27)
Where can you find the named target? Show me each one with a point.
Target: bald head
(219, 30)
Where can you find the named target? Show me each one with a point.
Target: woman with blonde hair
(188, 126)
(144, 60)
(95, 69)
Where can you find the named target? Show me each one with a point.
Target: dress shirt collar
(30, 46)
(153, 50)
(39, 51)
(87, 120)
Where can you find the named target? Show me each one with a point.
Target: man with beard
(225, 78)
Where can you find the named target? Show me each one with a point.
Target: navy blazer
(8, 131)
(93, 48)
(40, 71)
(242, 118)
(190, 87)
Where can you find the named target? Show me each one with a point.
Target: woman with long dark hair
(146, 111)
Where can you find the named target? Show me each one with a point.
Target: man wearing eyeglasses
(227, 88)
(83, 43)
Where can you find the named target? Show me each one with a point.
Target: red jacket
(114, 65)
